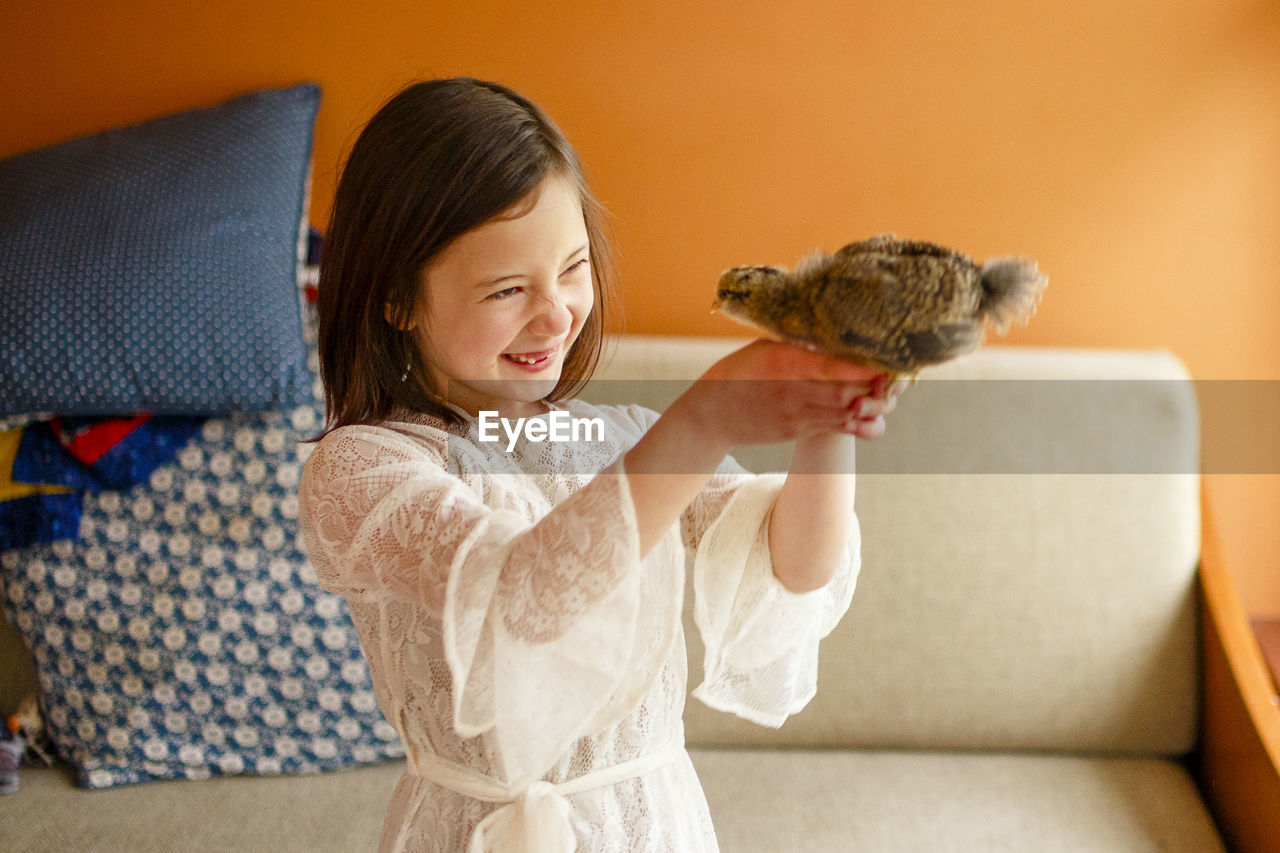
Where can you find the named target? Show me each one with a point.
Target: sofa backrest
(1029, 549)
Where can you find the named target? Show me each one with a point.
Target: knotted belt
(536, 819)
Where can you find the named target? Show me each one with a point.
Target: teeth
(524, 360)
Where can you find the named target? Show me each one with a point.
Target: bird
(897, 305)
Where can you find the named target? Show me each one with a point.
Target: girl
(520, 608)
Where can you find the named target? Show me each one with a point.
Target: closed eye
(507, 293)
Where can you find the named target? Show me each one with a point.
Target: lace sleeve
(386, 519)
(364, 509)
(761, 659)
(761, 639)
(540, 617)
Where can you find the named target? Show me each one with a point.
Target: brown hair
(438, 159)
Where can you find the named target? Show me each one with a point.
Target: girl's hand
(761, 394)
(769, 392)
(869, 412)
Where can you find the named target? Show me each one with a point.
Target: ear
(404, 324)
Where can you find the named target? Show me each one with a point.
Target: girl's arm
(764, 393)
(813, 516)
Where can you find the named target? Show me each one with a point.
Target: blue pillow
(154, 268)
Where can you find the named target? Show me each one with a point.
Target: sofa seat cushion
(341, 810)
(761, 801)
(925, 802)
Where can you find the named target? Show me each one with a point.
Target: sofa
(1043, 653)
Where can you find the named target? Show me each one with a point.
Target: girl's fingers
(801, 363)
(848, 394)
(869, 407)
(825, 417)
(842, 370)
(888, 388)
(868, 428)
(837, 396)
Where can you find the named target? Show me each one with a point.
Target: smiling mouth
(530, 359)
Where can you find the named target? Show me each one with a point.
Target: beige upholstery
(773, 801)
(1018, 670)
(334, 811)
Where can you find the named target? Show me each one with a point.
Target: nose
(553, 317)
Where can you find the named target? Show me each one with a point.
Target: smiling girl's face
(500, 306)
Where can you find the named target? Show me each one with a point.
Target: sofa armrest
(1238, 757)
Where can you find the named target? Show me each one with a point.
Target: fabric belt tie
(537, 819)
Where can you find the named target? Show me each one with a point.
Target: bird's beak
(715, 305)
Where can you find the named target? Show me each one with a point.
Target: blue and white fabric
(183, 634)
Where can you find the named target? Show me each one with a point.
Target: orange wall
(1132, 146)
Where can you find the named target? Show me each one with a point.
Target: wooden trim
(1238, 757)
(1268, 633)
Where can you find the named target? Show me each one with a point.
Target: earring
(404, 377)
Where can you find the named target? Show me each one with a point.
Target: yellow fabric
(9, 489)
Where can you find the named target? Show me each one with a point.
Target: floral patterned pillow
(183, 634)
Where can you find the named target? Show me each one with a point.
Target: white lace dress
(533, 665)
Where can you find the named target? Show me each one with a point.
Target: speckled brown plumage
(894, 304)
